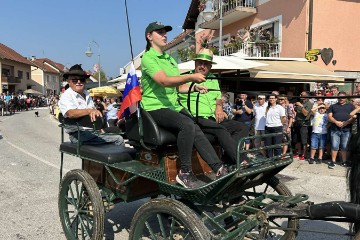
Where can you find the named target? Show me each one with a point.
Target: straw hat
(205, 55)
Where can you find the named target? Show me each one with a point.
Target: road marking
(34, 156)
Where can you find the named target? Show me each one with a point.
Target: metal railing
(232, 4)
(254, 49)
(10, 79)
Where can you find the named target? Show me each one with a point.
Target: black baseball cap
(157, 26)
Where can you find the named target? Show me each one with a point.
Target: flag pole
(128, 26)
(141, 131)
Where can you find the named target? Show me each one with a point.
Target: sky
(63, 30)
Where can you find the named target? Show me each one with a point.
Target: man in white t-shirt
(260, 120)
(76, 102)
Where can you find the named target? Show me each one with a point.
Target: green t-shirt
(207, 101)
(154, 96)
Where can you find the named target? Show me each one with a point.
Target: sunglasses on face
(260, 99)
(280, 99)
(76, 80)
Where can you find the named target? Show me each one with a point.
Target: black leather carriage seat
(154, 136)
(107, 153)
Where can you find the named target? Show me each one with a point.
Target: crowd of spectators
(319, 123)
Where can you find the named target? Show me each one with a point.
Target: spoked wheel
(275, 186)
(80, 206)
(163, 218)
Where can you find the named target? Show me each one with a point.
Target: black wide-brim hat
(76, 70)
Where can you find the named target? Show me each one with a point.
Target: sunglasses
(281, 99)
(260, 98)
(76, 80)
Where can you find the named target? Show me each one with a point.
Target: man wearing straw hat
(210, 115)
(76, 102)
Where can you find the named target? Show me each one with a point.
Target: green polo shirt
(154, 96)
(207, 101)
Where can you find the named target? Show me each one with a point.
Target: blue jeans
(94, 138)
(339, 139)
(318, 140)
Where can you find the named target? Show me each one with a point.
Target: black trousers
(273, 140)
(222, 134)
(237, 129)
(189, 135)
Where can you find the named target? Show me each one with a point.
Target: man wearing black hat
(76, 102)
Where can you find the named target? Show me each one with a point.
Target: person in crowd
(161, 82)
(357, 89)
(260, 121)
(301, 125)
(275, 119)
(275, 93)
(112, 112)
(227, 105)
(334, 90)
(208, 111)
(243, 112)
(354, 114)
(100, 105)
(339, 115)
(76, 102)
(289, 118)
(319, 132)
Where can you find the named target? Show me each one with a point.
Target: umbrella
(32, 92)
(108, 91)
(224, 63)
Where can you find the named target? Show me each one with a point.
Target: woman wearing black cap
(161, 82)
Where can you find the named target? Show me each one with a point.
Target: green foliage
(103, 75)
(187, 53)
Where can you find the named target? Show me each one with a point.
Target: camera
(238, 102)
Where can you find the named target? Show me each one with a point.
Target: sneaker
(331, 165)
(188, 180)
(345, 164)
(250, 156)
(296, 156)
(318, 161)
(223, 171)
(311, 161)
(301, 157)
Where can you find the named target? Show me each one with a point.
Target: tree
(103, 75)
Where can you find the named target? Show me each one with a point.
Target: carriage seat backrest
(84, 121)
(153, 135)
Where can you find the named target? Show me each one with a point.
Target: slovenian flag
(132, 94)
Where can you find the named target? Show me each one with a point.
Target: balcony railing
(232, 4)
(234, 10)
(254, 49)
(10, 79)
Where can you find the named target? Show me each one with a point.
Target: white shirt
(273, 116)
(319, 123)
(330, 101)
(260, 118)
(72, 100)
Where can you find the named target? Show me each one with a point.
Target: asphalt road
(29, 178)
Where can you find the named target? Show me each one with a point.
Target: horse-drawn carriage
(248, 203)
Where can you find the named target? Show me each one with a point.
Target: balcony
(232, 12)
(11, 80)
(254, 49)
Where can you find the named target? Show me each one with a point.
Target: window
(5, 72)
(20, 74)
(47, 78)
(53, 78)
(27, 75)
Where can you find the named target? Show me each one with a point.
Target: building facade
(15, 71)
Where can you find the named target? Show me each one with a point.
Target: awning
(295, 70)
(223, 63)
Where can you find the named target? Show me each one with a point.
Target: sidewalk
(317, 169)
